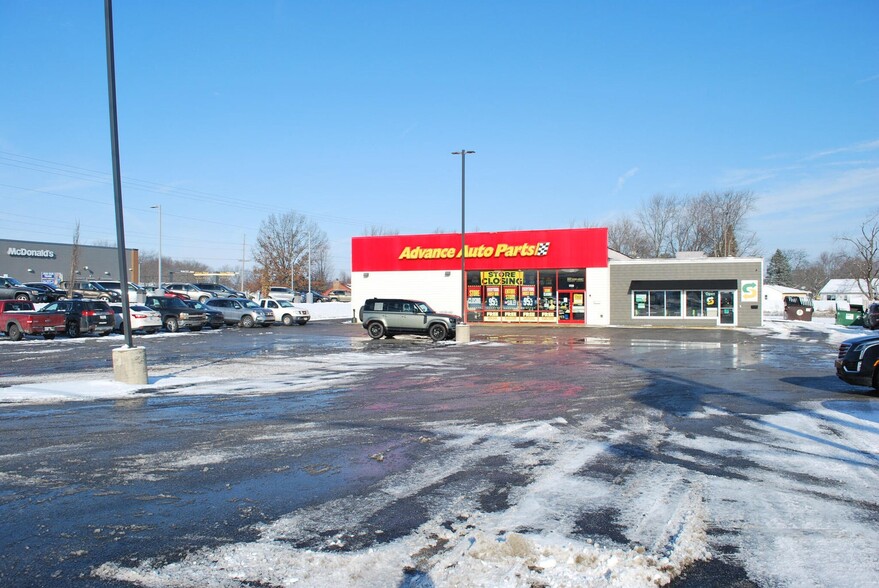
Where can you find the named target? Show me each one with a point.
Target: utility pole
(243, 247)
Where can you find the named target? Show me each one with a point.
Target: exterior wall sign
(749, 291)
(514, 250)
(22, 252)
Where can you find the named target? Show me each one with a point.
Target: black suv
(871, 316)
(52, 293)
(857, 359)
(175, 314)
(84, 316)
(386, 317)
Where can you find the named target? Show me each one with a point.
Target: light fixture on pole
(463, 153)
(159, 206)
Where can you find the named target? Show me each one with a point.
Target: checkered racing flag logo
(542, 248)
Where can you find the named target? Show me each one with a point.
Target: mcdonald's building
(556, 277)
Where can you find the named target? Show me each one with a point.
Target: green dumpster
(850, 317)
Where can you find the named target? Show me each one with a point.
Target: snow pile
(529, 543)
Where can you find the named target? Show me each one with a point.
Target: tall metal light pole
(159, 206)
(463, 153)
(129, 362)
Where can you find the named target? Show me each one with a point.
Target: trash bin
(852, 317)
(798, 307)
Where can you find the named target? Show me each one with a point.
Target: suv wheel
(438, 332)
(73, 329)
(287, 320)
(247, 321)
(22, 296)
(171, 324)
(376, 330)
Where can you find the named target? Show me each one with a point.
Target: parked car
(169, 294)
(337, 295)
(84, 316)
(175, 314)
(386, 317)
(142, 318)
(282, 293)
(220, 291)
(133, 289)
(191, 290)
(242, 311)
(19, 318)
(856, 361)
(286, 312)
(215, 318)
(52, 293)
(10, 288)
(92, 290)
(871, 316)
(315, 297)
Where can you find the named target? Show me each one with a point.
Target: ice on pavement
(794, 513)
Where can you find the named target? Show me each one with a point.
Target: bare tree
(378, 231)
(625, 236)
(74, 260)
(657, 219)
(284, 247)
(862, 256)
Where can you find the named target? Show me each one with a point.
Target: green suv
(386, 317)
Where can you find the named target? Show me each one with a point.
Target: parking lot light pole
(159, 206)
(465, 332)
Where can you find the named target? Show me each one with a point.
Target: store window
(674, 303)
(656, 303)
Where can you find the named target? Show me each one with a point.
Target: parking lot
(314, 456)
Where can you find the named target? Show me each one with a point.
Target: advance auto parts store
(557, 276)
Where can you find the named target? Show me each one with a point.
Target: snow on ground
(793, 515)
(790, 530)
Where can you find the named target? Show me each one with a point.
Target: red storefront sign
(553, 248)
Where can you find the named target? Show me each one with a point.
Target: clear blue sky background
(347, 112)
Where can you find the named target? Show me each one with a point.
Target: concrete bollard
(129, 365)
(462, 333)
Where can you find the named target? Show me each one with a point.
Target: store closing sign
(502, 278)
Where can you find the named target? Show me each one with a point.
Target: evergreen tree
(778, 271)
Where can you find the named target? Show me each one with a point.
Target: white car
(143, 318)
(286, 312)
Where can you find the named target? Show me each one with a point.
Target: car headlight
(184, 315)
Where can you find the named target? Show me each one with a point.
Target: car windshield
(196, 304)
(249, 304)
(422, 307)
(285, 304)
(14, 282)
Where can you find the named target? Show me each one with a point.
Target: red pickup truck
(18, 318)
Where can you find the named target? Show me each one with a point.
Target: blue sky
(348, 112)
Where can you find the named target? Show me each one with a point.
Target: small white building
(843, 292)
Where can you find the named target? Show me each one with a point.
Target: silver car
(241, 311)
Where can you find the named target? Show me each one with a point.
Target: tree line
(289, 247)
(713, 223)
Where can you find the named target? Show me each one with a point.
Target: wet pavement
(156, 478)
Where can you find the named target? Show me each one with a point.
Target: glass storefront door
(727, 307)
(572, 306)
